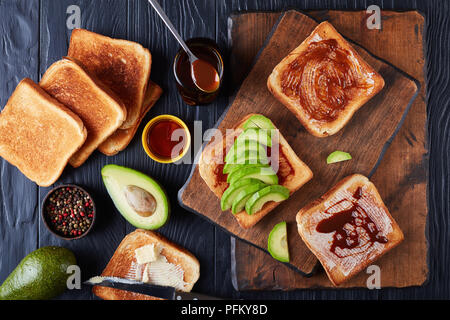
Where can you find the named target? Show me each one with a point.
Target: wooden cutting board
(364, 137)
(401, 176)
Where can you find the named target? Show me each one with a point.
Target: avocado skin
(41, 275)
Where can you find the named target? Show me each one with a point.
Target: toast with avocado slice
(236, 182)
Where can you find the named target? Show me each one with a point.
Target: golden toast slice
(123, 264)
(120, 139)
(348, 228)
(101, 111)
(124, 66)
(324, 81)
(38, 134)
(292, 172)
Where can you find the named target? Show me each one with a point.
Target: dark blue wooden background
(33, 35)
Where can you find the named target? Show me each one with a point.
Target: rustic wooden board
(402, 171)
(364, 137)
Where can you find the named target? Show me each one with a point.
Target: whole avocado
(41, 275)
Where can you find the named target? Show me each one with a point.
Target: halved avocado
(270, 193)
(255, 134)
(139, 198)
(243, 195)
(230, 194)
(249, 157)
(277, 243)
(265, 174)
(258, 121)
(240, 148)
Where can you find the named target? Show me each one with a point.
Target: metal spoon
(194, 60)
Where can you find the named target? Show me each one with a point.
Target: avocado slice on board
(277, 243)
(41, 275)
(230, 194)
(275, 193)
(243, 195)
(265, 174)
(139, 198)
(338, 156)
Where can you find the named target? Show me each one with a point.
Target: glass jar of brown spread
(206, 50)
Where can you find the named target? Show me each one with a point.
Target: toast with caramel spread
(348, 228)
(292, 173)
(324, 81)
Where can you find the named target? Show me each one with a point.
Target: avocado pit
(140, 200)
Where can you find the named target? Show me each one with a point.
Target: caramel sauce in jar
(209, 57)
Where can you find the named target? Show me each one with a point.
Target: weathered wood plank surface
(19, 205)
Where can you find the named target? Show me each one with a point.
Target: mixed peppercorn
(69, 211)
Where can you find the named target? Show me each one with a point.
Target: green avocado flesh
(278, 244)
(233, 190)
(41, 275)
(248, 157)
(139, 198)
(270, 193)
(252, 181)
(240, 149)
(243, 195)
(338, 156)
(265, 174)
(261, 136)
(258, 121)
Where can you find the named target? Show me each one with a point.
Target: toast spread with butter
(324, 81)
(120, 139)
(124, 66)
(252, 176)
(149, 257)
(101, 111)
(38, 134)
(348, 228)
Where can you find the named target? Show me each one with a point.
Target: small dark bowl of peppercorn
(68, 212)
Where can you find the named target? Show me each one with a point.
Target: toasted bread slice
(348, 228)
(123, 264)
(101, 111)
(324, 81)
(38, 134)
(292, 172)
(120, 139)
(124, 66)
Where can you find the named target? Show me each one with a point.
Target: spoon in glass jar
(204, 75)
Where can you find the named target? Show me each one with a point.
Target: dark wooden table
(35, 33)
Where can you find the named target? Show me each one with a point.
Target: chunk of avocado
(277, 243)
(265, 174)
(275, 193)
(338, 156)
(240, 148)
(262, 136)
(230, 194)
(41, 275)
(258, 121)
(243, 195)
(139, 198)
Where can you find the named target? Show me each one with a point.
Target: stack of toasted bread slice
(38, 134)
(103, 86)
(124, 264)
